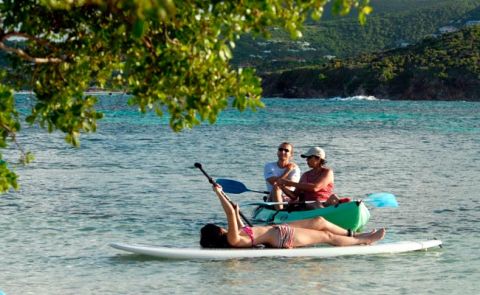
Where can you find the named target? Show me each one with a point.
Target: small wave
(357, 97)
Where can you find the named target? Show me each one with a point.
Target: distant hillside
(439, 68)
(394, 23)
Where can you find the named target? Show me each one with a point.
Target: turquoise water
(133, 181)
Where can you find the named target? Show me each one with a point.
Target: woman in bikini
(295, 234)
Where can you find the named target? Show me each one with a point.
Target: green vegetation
(444, 68)
(171, 56)
(392, 24)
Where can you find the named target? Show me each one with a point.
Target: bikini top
(248, 230)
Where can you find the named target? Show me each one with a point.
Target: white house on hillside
(447, 29)
(472, 23)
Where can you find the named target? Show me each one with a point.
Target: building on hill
(471, 23)
(447, 29)
(402, 43)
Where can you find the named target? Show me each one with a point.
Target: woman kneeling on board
(295, 234)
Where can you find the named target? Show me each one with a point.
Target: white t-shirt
(272, 169)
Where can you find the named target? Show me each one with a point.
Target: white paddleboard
(317, 252)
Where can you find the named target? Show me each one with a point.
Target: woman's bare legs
(306, 237)
(319, 224)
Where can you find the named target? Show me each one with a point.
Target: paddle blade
(382, 200)
(232, 186)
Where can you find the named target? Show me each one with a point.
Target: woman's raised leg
(319, 224)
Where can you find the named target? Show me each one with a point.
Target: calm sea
(133, 181)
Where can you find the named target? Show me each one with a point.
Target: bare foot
(376, 236)
(365, 235)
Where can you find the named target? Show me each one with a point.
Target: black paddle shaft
(199, 166)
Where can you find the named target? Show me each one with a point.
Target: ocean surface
(133, 181)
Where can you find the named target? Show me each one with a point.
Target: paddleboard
(315, 252)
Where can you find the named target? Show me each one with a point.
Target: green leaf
(138, 28)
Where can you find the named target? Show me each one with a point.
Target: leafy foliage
(170, 56)
(9, 124)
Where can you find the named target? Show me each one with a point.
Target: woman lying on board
(295, 234)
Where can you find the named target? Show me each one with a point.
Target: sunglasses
(310, 157)
(283, 150)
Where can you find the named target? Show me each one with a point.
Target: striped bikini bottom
(285, 235)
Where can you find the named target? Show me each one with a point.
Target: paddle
(259, 203)
(236, 187)
(379, 200)
(382, 200)
(199, 166)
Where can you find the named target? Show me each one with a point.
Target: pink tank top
(322, 195)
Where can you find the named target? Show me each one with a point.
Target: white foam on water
(356, 97)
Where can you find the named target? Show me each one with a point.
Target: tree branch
(21, 53)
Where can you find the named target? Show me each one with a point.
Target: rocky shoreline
(306, 84)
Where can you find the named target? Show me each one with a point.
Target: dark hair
(211, 236)
(323, 162)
